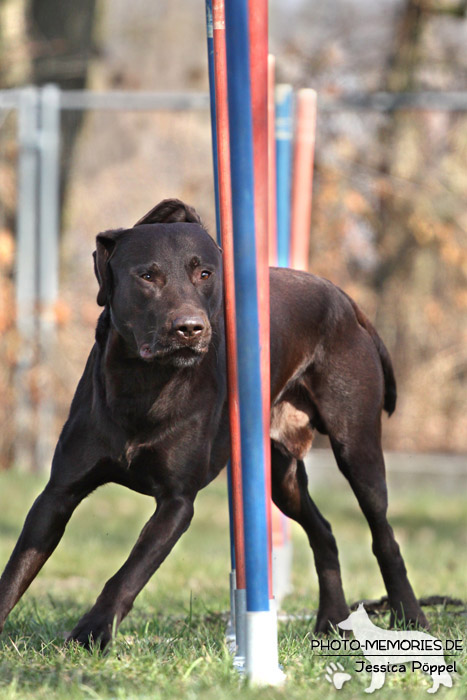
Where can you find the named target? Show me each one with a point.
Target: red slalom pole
(225, 201)
(223, 151)
(302, 187)
(272, 199)
(258, 29)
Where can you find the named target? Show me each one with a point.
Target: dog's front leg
(42, 531)
(172, 517)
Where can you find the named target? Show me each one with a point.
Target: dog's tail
(390, 389)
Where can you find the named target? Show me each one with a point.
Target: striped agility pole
(261, 650)
(218, 93)
(259, 39)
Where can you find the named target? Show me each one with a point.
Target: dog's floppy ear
(105, 245)
(170, 211)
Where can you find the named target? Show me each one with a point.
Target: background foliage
(389, 220)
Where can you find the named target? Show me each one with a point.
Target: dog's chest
(141, 402)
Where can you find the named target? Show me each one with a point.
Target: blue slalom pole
(248, 352)
(284, 135)
(212, 96)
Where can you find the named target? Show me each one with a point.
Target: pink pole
(302, 187)
(272, 185)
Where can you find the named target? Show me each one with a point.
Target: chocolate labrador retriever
(150, 412)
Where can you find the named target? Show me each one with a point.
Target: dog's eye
(205, 274)
(147, 276)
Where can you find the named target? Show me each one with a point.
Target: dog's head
(162, 282)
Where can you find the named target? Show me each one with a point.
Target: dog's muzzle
(186, 342)
(189, 330)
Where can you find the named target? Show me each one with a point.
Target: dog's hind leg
(361, 461)
(172, 517)
(350, 400)
(290, 494)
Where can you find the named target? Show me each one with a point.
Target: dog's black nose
(189, 327)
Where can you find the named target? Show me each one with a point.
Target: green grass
(172, 643)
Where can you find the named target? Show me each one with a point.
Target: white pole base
(230, 638)
(240, 628)
(262, 660)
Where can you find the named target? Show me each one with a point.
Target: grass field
(172, 643)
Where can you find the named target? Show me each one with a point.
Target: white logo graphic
(397, 651)
(336, 675)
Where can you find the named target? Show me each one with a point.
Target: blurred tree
(389, 216)
(60, 33)
(47, 41)
(41, 41)
(419, 231)
(389, 220)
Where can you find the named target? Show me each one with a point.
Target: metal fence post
(48, 267)
(26, 276)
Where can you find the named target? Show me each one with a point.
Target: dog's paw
(92, 631)
(412, 618)
(327, 621)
